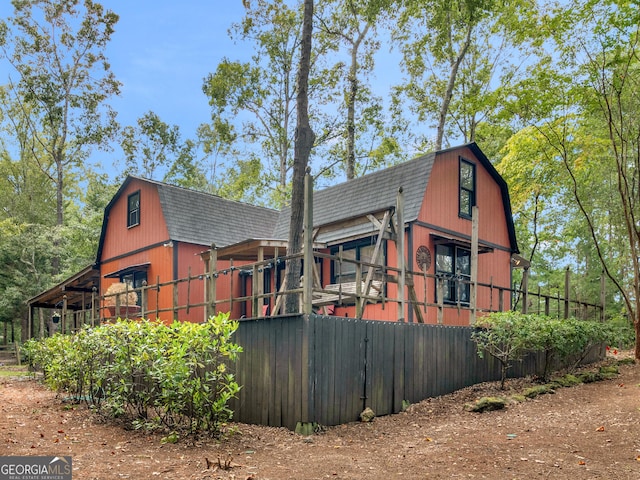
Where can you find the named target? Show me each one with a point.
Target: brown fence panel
(352, 364)
(270, 370)
(338, 379)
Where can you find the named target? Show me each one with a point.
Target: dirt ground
(589, 431)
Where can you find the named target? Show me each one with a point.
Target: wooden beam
(400, 247)
(567, 291)
(603, 296)
(413, 297)
(307, 271)
(474, 266)
(213, 266)
(382, 226)
(525, 291)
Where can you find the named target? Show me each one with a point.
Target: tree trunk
(55, 261)
(446, 99)
(302, 150)
(351, 105)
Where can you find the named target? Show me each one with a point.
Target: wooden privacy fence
(306, 369)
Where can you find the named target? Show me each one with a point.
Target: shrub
(508, 336)
(151, 374)
(502, 336)
(623, 332)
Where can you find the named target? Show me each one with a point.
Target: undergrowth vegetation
(154, 376)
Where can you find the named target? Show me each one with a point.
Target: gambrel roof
(202, 218)
(378, 191)
(374, 192)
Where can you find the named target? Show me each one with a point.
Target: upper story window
(453, 265)
(355, 254)
(467, 187)
(133, 209)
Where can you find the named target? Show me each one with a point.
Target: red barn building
(156, 233)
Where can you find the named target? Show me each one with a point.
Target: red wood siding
(120, 239)
(148, 243)
(440, 206)
(159, 260)
(440, 209)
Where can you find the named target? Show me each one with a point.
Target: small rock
(367, 415)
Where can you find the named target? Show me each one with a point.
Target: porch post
(307, 286)
(567, 275)
(29, 323)
(259, 291)
(525, 291)
(64, 314)
(474, 265)
(213, 265)
(603, 296)
(400, 246)
(94, 291)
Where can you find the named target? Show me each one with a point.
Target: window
(133, 209)
(453, 264)
(467, 187)
(135, 281)
(345, 271)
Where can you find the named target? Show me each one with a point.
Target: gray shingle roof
(370, 193)
(202, 219)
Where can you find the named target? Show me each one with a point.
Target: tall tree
(150, 146)
(349, 26)
(261, 92)
(258, 98)
(456, 54)
(611, 70)
(305, 138)
(581, 101)
(57, 49)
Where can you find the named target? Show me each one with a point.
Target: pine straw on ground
(587, 431)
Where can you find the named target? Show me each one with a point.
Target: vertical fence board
(398, 365)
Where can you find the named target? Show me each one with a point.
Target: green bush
(503, 336)
(509, 336)
(623, 332)
(154, 375)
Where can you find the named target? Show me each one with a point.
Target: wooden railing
(423, 291)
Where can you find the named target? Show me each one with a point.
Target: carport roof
(77, 288)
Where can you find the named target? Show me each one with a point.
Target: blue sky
(160, 52)
(163, 49)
